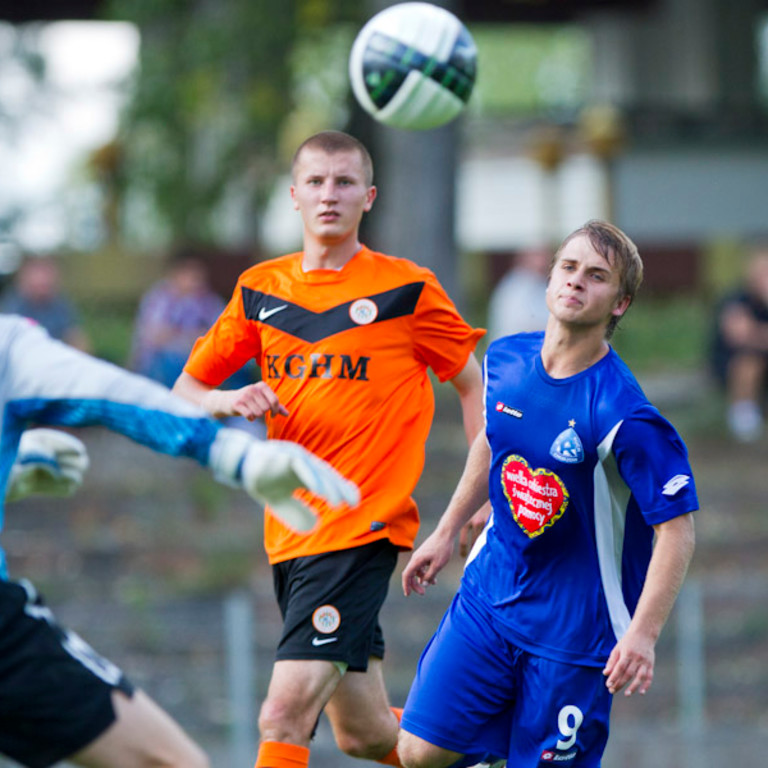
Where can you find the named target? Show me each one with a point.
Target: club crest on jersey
(363, 311)
(537, 497)
(567, 446)
(326, 619)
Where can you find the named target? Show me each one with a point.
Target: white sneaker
(745, 421)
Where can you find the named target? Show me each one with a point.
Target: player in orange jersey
(344, 337)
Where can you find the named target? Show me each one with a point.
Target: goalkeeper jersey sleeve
(47, 382)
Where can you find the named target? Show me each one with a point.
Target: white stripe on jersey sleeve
(610, 507)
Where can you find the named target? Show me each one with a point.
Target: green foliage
(665, 333)
(530, 68)
(321, 91)
(109, 330)
(207, 107)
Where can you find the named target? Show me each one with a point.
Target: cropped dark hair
(332, 142)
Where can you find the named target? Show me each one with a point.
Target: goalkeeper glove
(271, 470)
(49, 462)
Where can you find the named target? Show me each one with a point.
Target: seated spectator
(36, 293)
(518, 302)
(740, 354)
(172, 314)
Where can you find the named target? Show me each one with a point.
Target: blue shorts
(475, 691)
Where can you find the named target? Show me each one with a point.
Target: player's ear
(369, 198)
(293, 197)
(622, 305)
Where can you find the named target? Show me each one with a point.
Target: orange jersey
(347, 354)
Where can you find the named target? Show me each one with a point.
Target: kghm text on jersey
(317, 366)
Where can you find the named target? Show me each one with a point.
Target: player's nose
(329, 192)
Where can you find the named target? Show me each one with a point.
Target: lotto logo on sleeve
(675, 484)
(537, 497)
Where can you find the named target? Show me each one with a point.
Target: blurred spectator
(36, 293)
(173, 313)
(740, 354)
(518, 302)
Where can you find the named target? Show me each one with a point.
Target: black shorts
(55, 690)
(330, 604)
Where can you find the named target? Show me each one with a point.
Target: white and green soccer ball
(413, 66)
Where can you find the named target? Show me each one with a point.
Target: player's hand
(49, 462)
(630, 664)
(426, 562)
(271, 470)
(251, 402)
(274, 469)
(470, 532)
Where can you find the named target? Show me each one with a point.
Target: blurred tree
(213, 91)
(25, 91)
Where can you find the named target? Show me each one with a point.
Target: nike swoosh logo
(264, 313)
(323, 641)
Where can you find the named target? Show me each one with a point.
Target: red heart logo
(536, 497)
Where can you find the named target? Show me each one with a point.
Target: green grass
(109, 329)
(665, 334)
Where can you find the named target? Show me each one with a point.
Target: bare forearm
(218, 403)
(469, 385)
(430, 558)
(472, 416)
(471, 492)
(666, 572)
(201, 394)
(631, 662)
(251, 401)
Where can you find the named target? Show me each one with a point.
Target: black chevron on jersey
(312, 326)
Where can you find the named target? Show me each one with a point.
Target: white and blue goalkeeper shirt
(46, 382)
(581, 469)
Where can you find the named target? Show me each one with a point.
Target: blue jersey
(43, 381)
(581, 469)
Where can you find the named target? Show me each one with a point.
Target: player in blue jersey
(569, 585)
(58, 698)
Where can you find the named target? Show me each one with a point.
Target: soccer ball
(413, 66)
